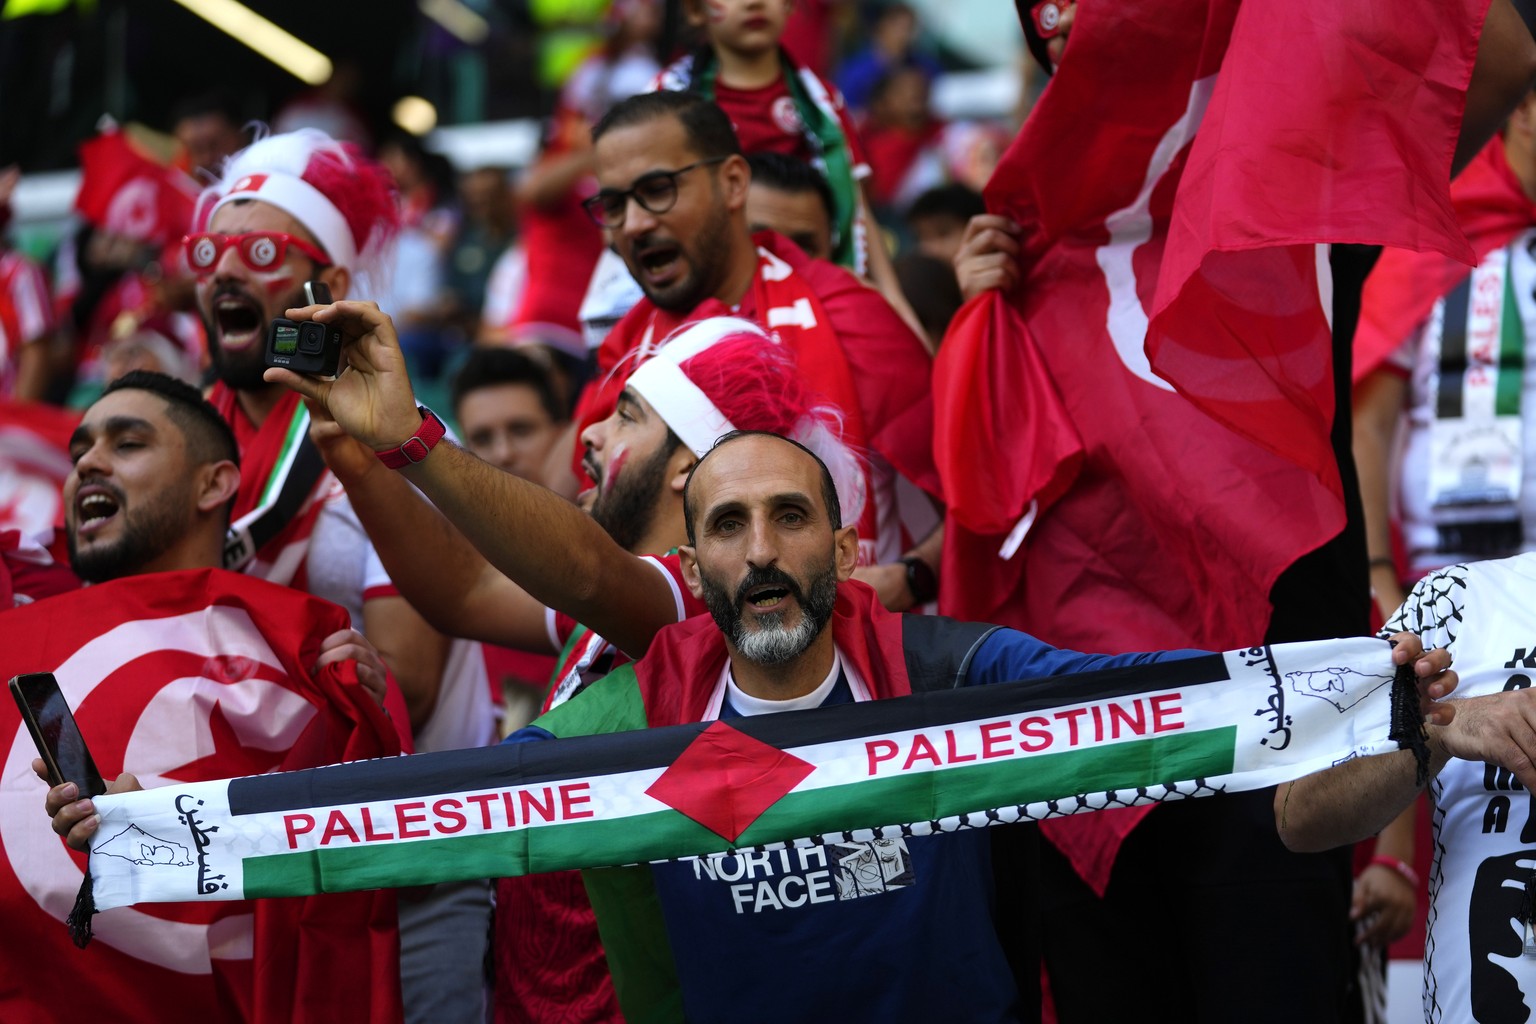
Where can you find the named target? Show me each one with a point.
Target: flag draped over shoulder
(930, 762)
(1144, 422)
(180, 678)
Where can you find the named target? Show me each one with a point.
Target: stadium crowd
(757, 390)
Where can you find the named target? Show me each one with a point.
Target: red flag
(1492, 208)
(34, 460)
(28, 572)
(127, 193)
(1329, 123)
(188, 676)
(1173, 184)
(1150, 188)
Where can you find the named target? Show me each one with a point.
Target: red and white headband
(680, 403)
(305, 204)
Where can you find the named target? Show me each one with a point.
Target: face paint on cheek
(714, 11)
(277, 282)
(615, 467)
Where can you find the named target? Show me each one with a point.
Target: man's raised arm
(550, 549)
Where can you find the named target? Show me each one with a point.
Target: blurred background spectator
(428, 223)
(791, 197)
(894, 41)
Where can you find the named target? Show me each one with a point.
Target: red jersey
(562, 245)
(549, 960)
(585, 656)
(26, 314)
(766, 121)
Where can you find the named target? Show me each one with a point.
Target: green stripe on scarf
(1511, 370)
(628, 910)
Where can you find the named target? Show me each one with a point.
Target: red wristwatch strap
(419, 444)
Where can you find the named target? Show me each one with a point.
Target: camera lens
(311, 338)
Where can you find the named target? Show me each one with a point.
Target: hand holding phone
(55, 733)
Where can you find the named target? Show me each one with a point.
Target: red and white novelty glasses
(259, 250)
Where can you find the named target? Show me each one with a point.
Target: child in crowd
(777, 106)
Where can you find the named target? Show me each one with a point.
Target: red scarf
(1491, 207)
(680, 670)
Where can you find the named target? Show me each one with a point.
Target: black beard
(711, 246)
(242, 371)
(816, 604)
(144, 537)
(628, 509)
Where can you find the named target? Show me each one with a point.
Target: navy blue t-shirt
(897, 929)
(891, 929)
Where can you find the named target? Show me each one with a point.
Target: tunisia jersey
(585, 656)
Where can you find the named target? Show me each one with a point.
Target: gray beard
(774, 643)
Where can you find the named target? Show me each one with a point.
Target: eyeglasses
(655, 192)
(1047, 16)
(259, 250)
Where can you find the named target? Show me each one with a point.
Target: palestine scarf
(823, 131)
(278, 500)
(923, 763)
(1492, 209)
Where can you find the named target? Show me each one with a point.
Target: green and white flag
(931, 762)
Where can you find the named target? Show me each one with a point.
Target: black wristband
(920, 580)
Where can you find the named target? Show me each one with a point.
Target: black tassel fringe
(79, 919)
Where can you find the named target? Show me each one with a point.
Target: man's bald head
(692, 504)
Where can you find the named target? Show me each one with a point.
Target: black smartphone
(55, 733)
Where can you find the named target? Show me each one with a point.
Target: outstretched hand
(371, 398)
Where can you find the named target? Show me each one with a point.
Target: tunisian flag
(1158, 389)
(187, 677)
(1134, 442)
(127, 193)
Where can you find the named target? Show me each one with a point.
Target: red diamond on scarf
(725, 780)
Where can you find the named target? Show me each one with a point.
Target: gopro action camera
(305, 346)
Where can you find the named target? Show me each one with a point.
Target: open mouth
(94, 509)
(660, 262)
(239, 319)
(767, 598)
